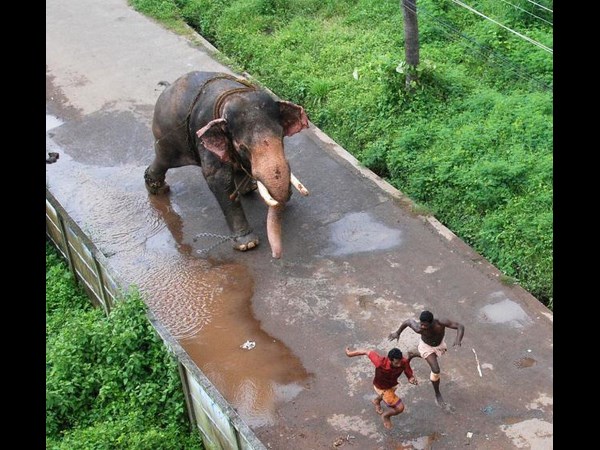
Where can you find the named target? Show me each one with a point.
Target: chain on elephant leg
(221, 238)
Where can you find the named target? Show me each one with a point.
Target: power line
(542, 46)
(482, 49)
(531, 14)
(541, 6)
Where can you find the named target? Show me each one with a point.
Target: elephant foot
(155, 187)
(246, 242)
(158, 189)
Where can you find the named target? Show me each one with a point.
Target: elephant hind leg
(155, 185)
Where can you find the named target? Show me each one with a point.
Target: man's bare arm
(459, 327)
(407, 323)
(357, 352)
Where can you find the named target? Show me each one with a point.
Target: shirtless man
(387, 371)
(432, 344)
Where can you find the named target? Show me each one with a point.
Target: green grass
(110, 382)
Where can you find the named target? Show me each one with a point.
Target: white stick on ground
(477, 361)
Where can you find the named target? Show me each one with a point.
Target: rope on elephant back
(221, 239)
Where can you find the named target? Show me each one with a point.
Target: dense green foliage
(110, 382)
(471, 141)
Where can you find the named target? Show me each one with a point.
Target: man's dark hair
(395, 353)
(426, 316)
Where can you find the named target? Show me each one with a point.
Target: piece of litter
(469, 435)
(477, 361)
(248, 345)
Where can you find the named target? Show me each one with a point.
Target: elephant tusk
(264, 193)
(298, 185)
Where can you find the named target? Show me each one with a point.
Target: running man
(432, 344)
(387, 371)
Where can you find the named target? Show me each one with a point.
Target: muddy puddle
(205, 304)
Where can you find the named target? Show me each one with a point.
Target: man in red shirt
(387, 371)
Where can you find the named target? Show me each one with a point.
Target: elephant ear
(213, 136)
(293, 118)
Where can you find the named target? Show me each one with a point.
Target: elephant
(234, 130)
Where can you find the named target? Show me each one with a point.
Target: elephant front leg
(223, 188)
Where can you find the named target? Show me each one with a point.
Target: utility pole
(411, 40)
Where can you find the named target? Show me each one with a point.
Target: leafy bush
(110, 382)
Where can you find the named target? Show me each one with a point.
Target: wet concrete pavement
(356, 262)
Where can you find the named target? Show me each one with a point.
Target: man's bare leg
(386, 421)
(412, 354)
(435, 378)
(377, 402)
(438, 396)
(435, 373)
(394, 412)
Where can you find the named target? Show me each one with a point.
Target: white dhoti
(425, 349)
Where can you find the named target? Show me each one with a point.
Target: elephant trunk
(274, 216)
(279, 188)
(274, 185)
(276, 203)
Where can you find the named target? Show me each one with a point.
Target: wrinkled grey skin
(242, 135)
